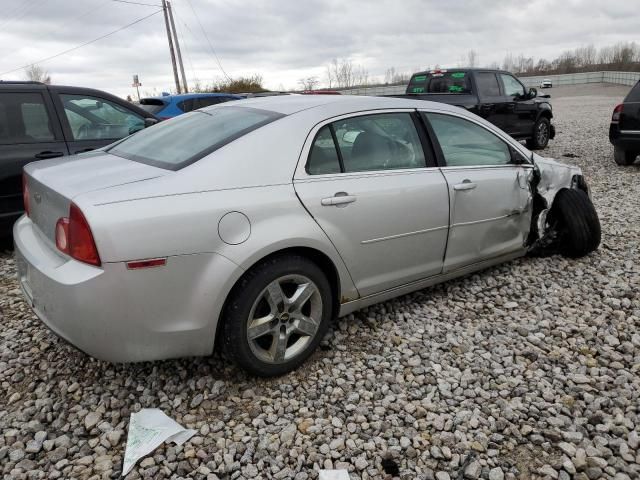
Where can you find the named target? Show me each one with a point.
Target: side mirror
(533, 92)
(148, 122)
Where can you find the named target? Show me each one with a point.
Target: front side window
(512, 87)
(178, 142)
(385, 141)
(465, 143)
(487, 84)
(24, 119)
(93, 118)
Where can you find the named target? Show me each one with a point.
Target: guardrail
(621, 78)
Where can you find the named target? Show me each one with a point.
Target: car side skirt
(350, 307)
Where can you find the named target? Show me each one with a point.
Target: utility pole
(175, 37)
(173, 56)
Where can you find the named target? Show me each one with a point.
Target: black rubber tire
(533, 143)
(624, 157)
(233, 338)
(577, 223)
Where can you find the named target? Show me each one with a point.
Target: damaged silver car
(249, 225)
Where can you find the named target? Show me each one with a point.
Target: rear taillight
(25, 194)
(74, 237)
(615, 118)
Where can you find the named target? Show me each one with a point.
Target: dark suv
(496, 95)
(624, 131)
(39, 121)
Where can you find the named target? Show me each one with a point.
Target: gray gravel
(527, 370)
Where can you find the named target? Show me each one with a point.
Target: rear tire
(623, 157)
(576, 221)
(265, 330)
(540, 135)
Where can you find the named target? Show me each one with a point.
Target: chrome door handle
(466, 185)
(340, 198)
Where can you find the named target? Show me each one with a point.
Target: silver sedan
(250, 225)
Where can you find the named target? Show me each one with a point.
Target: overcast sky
(288, 39)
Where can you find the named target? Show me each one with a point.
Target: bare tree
(36, 73)
(472, 58)
(308, 83)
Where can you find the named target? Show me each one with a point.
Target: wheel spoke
(279, 346)
(275, 297)
(260, 327)
(305, 325)
(301, 296)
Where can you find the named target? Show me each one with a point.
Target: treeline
(624, 56)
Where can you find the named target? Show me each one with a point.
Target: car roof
(185, 96)
(468, 69)
(337, 104)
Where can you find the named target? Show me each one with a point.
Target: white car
(254, 223)
(546, 83)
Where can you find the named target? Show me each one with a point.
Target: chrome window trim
(632, 132)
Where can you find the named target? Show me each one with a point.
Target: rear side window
(24, 119)
(178, 142)
(465, 143)
(387, 141)
(445, 82)
(487, 84)
(634, 94)
(152, 105)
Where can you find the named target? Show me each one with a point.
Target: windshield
(176, 143)
(445, 82)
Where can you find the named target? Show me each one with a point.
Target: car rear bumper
(122, 315)
(624, 139)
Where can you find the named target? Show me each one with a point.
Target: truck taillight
(25, 194)
(74, 237)
(615, 118)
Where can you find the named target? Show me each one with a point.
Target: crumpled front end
(551, 177)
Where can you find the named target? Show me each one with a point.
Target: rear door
(489, 191)
(29, 131)
(491, 104)
(375, 190)
(92, 121)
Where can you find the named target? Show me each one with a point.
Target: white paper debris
(333, 475)
(147, 429)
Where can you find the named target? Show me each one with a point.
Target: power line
(138, 3)
(83, 45)
(20, 12)
(208, 41)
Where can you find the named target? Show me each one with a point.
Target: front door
(522, 109)
(489, 191)
(94, 122)
(380, 200)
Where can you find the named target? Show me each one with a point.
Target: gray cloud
(289, 39)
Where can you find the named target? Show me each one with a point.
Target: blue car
(169, 106)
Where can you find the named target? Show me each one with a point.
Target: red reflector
(153, 262)
(25, 194)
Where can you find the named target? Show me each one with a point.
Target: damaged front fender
(551, 177)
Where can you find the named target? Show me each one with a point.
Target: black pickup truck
(39, 121)
(496, 95)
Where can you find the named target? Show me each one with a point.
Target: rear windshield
(176, 143)
(634, 94)
(152, 105)
(446, 82)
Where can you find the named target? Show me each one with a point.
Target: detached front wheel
(277, 315)
(541, 134)
(576, 222)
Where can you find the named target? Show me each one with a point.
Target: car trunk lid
(53, 184)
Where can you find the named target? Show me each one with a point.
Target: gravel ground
(527, 370)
